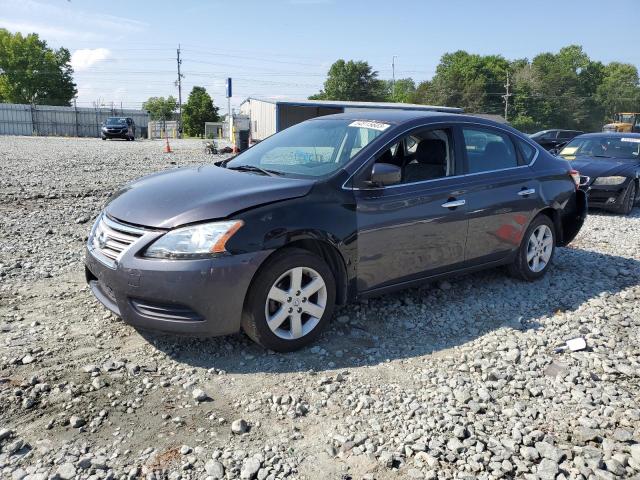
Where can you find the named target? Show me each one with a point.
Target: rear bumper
(196, 297)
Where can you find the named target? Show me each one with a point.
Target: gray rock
(546, 450)
(250, 467)
(584, 435)
(530, 454)
(66, 471)
(76, 421)
(200, 395)
(547, 469)
(513, 355)
(239, 426)
(27, 359)
(634, 450)
(386, 459)
(214, 469)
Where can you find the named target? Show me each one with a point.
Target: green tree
(31, 72)
(352, 80)
(403, 91)
(160, 108)
(198, 110)
(619, 90)
(472, 82)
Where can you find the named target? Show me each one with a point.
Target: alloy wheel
(295, 303)
(539, 248)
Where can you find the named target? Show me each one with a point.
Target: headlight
(609, 180)
(196, 241)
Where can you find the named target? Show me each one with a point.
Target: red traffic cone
(167, 147)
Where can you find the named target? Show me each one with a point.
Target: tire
(103, 138)
(628, 199)
(533, 259)
(275, 281)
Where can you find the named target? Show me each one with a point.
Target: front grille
(111, 238)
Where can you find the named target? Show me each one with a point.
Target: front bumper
(606, 196)
(117, 134)
(203, 297)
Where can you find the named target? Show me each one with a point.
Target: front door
(419, 226)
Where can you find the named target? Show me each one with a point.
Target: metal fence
(46, 120)
(162, 129)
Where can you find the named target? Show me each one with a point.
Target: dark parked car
(554, 139)
(324, 212)
(119, 127)
(611, 161)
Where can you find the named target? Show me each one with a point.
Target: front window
(602, 147)
(423, 155)
(311, 149)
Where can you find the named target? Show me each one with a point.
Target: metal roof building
(268, 116)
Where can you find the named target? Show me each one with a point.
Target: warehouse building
(268, 116)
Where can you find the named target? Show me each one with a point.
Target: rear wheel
(628, 199)
(290, 301)
(536, 250)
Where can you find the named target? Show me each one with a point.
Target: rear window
(488, 150)
(527, 151)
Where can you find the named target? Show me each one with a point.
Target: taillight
(575, 175)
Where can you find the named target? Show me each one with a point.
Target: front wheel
(290, 301)
(536, 250)
(628, 199)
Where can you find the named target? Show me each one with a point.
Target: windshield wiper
(253, 168)
(603, 156)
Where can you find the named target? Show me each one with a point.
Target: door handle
(527, 192)
(454, 203)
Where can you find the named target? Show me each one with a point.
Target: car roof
(609, 135)
(402, 116)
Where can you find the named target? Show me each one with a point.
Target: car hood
(602, 166)
(186, 195)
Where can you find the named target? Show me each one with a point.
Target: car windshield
(603, 147)
(116, 121)
(314, 148)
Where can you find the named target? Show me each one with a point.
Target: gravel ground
(454, 380)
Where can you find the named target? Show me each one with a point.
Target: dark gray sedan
(325, 212)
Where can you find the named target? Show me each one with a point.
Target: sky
(124, 51)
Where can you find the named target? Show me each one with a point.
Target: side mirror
(384, 174)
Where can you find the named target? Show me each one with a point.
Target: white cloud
(86, 57)
(63, 22)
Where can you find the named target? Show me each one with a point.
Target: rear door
(418, 227)
(501, 191)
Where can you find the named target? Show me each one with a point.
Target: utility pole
(393, 75)
(506, 98)
(179, 84)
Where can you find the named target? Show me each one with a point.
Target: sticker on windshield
(369, 124)
(632, 140)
